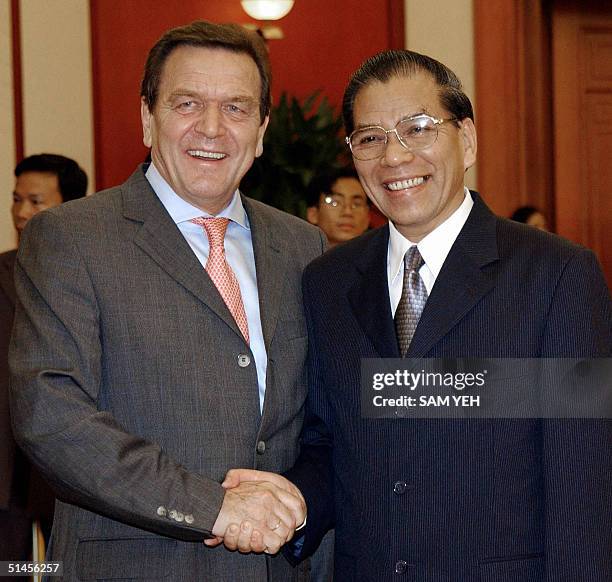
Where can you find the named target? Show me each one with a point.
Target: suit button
(399, 488)
(244, 360)
(261, 447)
(179, 516)
(400, 567)
(172, 514)
(162, 511)
(189, 519)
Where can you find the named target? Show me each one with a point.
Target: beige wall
(57, 94)
(444, 30)
(7, 136)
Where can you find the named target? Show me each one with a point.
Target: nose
(24, 210)
(395, 153)
(346, 208)
(210, 122)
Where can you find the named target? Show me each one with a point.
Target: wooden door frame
(513, 104)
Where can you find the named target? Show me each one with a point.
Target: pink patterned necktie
(221, 273)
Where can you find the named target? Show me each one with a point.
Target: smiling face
(34, 192)
(418, 190)
(205, 130)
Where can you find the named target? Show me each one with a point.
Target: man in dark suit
(167, 335)
(41, 181)
(434, 500)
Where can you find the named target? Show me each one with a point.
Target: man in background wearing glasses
(338, 205)
(434, 500)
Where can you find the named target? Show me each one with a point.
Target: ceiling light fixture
(267, 10)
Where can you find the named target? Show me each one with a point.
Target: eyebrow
(182, 93)
(29, 195)
(422, 111)
(242, 99)
(234, 98)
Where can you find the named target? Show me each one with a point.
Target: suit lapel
(461, 283)
(369, 296)
(160, 238)
(271, 258)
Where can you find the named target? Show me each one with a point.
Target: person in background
(168, 335)
(338, 205)
(530, 215)
(42, 181)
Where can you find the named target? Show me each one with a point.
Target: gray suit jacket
(134, 397)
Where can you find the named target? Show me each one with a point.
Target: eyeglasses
(414, 133)
(336, 201)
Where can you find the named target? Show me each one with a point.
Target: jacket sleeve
(56, 366)
(312, 472)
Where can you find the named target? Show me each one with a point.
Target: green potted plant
(302, 139)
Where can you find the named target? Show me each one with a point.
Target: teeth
(403, 184)
(206, 155)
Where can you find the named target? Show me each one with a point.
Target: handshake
(260, 512)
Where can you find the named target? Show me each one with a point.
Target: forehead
(206, 69)
(348, 186)
(398, 97)
(37, 183)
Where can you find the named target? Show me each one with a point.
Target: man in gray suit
(41, 181)
(157, 359)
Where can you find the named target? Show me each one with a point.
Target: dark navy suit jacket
(457, 500)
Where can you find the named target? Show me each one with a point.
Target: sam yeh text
(427, 401)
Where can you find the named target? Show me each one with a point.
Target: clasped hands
(260, 512)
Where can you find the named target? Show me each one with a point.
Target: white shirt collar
(434, 247)
(182, 211)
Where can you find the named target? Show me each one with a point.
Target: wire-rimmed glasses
(414, 133)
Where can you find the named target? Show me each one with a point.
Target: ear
(312, 215)
(146, 118)
(260, 135)
(468, 134)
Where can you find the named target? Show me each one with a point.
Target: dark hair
(322, 183)
(385, 65)
(524, 213)
(71, 179)
(231, 37)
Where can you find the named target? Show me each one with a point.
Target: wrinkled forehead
(208, 59)
(400, 96)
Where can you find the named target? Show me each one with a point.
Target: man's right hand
(258, 515)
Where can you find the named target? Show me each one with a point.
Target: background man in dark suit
(41, 181)
(159, 358)
(438, 500)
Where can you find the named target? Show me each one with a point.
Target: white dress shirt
(238, 252)
(434, 249)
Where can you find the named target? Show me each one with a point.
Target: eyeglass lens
(335, 201)
(414, 133)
